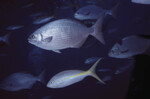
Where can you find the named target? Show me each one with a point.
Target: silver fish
(91, 12)
(65, 33)
(69, 77)
(19, 81)
(41, 20)
(131, 45)
(141, 1)
(91, 60)
(14, 27)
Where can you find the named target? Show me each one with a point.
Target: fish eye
(32, 37)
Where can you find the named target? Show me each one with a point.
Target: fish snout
(50, 85)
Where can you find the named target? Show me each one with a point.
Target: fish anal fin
(57, 51)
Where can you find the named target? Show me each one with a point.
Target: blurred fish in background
(42, 19)
(141, 1)
(91, 60)
(130, 46)
(92, 12)
(19, 81)
(14, 27)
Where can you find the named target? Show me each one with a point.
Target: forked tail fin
(93, 73)
(97, 27)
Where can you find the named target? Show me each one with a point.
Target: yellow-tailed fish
(69, 77)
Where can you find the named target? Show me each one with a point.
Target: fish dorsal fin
(41, 76)
(48, 39)
(93, 73)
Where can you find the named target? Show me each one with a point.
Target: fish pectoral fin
(48, 39)
(79, 44)
(57, 51)
(124, 51)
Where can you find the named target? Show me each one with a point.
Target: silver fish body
(64, 33)
(131, 45)
(19, 81)
(90, 12)
(63, 81)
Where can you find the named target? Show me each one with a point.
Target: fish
(131, 46)
(69, 77)
(141, 1)
(92, 12)
(36, 14)
(65, 33)
(104, 70)
(14, 27)
(20, 80)
(91, 60)
(28, 5)
(41, 20)
(5, 38)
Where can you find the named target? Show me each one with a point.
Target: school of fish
(66, 33)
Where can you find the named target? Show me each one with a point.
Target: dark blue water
(22, 56)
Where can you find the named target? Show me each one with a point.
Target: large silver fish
(69, 77)
(131, 45)
(19, 81)
(91, 12)
(141, 1)
(65, 33)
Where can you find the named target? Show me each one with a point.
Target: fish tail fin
(98, 30)
(5, 38)
(93, 73)
(41, 77)
(114, 10)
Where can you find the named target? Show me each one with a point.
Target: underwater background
(20, 56)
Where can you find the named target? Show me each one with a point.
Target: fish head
(34, 39)
(118, 51)
(38, 39)
(53, 83)
(82, 14)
